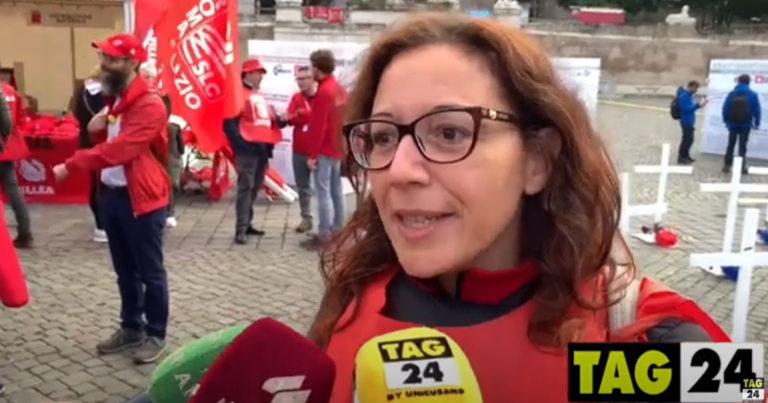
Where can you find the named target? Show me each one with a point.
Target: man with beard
(134, 197)
(252, 136)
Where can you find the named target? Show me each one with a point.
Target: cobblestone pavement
(47, 348)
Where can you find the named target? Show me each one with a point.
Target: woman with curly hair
(492, 215)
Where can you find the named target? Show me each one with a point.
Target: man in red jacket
(13, 149)
(325, 152)
(134, 198)
(298, 117)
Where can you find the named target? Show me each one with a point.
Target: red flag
(197, 45)
(146, 13)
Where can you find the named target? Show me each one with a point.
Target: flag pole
(128, 15)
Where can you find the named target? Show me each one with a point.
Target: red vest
(492, 359)
(16, 147)
(257, 121)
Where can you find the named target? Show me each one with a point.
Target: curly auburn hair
(570, 226)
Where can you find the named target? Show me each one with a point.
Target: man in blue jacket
(741, 114)
(687, 105)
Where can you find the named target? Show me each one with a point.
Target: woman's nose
(408, 165)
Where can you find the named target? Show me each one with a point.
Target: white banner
(722, 80)
(582, 75)
(281, 58)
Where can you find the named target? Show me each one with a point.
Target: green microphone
(176, 378)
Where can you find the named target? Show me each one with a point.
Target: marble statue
(506, 6)
(681, 18)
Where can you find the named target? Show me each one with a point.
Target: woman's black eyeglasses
(443, 136)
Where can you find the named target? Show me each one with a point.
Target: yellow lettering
(649, 377)
(433, 348)
(586, 360)
(753, 383)
(411, 350)
(616, 375)
(391, 349)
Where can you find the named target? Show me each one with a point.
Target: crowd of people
(741, 113)
(541, 262)
(315, 113)
(132, 148)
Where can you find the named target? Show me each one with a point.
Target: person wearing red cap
(14, 148)
(134, 195)
(252, 135)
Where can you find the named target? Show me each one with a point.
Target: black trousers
(686, 142)
(93, 200)
(740, 136)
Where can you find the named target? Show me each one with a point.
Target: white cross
(663, 169)
(628, 211)
(745, 260)
(751, 201)
(734, 188)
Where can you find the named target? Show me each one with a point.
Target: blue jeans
(330, 199)
(136, 248)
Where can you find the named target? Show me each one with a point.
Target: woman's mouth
(420, 221)
(414, 225)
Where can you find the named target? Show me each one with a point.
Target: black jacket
(6, 124)
(86, 106)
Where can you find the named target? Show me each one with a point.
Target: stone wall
(647, 55)
(648, 60)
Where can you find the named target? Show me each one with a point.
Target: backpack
(674, 109)
(739, 112)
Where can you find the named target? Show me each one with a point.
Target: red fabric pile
(50, 125)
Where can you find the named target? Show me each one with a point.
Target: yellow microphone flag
(417, 364)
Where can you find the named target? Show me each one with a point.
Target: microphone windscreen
(174, 380)
(268, 362)
(418, 364)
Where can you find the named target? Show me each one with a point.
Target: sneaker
(23, 241)
(253, 231)
(100, 236)
(241, 238)
(149, 351)
(726, 170)
(171, 222)
(304, 226)
(2, 388)
(121, 340)
(313, 243)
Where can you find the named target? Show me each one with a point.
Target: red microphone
(268, 363)
(13, 287)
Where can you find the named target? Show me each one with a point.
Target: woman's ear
(542, 149)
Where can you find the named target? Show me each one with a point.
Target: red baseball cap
(122, 45)
(253, 64)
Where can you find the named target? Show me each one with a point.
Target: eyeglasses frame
(478, 113)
